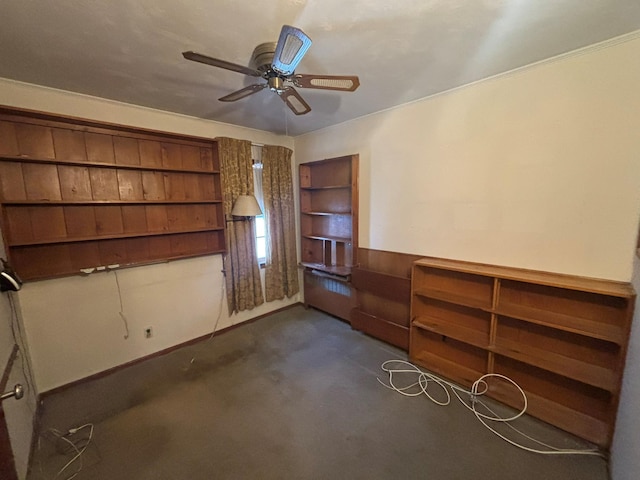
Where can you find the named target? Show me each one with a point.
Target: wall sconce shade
(246, 206)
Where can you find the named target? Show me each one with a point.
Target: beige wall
(73, 326)
(536, 169)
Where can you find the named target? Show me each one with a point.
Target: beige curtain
(242, 273)
(281, 271)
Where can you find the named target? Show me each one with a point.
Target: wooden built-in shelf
(52, 241)
(326, 213)
(451, 297)
(107, 202)
(82, 163)
(339, 270)
(328, 238)
(329, 232)
(563, 339)
(76, 195)
(450, 330)
(327, 187)
(582, 326)
(562, 365)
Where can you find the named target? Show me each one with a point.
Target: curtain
(281, 270)
(242, 273)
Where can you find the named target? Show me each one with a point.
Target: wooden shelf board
(600, 286)
(568, 419)
(129, 265)
(590, 374)
(453, 298)
(109, 237)
(447, 368)
(328, 238)
(53, 161)
(588, 328)
(341, 270)
(327, 214)
(457, 332)
(107, 202)
(326, 187)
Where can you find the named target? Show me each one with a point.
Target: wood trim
(159, 353)
(94, 126)
(593, 285)
(117, 166)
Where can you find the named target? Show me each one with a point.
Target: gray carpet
(290, 396)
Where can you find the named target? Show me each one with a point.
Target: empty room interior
(319, 239)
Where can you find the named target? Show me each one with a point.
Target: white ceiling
(402, 50)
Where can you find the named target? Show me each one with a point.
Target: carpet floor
(294, 395)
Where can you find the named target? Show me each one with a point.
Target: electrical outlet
(148, 332)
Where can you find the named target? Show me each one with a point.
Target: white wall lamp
(245, 207)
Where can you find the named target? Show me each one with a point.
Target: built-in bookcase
(562, 338)
(78, 195)
(329, 231)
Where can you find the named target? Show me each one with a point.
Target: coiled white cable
(478, 388)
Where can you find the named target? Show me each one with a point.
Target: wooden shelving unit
(76, 194)
(329, 232)
(562, 338)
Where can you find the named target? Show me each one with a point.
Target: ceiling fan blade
(294, 101)
(292, 45)
(243, 92)
(345, 83)
(216, 62)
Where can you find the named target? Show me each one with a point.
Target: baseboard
(159, 353)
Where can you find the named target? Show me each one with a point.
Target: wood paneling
(69, 145)
(34, 141)
(126, 150)
(12, 181)
(383, 293)
(41, 182)
(99, 148)
(75, 183)
(79, 195)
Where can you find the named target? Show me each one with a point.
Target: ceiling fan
(276, 63)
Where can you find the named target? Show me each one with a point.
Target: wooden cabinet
(562, 338)
(329, 232)
(79, 195)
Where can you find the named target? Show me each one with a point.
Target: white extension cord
(74, 446)
(479, 388)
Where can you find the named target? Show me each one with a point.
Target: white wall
(625, 461)
(535, 169)
(72, 325)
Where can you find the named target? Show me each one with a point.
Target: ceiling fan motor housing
(262, 56)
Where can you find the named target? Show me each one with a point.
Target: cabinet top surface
(594, 285)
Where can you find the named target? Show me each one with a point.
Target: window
(261, 227)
